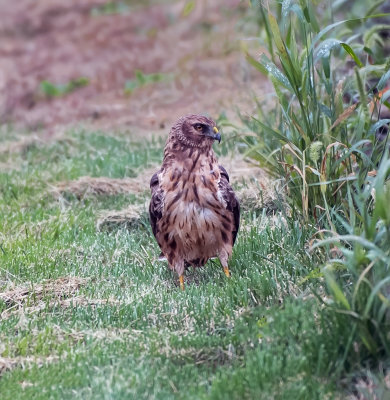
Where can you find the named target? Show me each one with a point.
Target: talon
(181, 280)
(226, 270)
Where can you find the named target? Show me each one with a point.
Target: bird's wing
(232, 203)
(156, 203)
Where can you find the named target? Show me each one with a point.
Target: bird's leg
(179, 268)
(223, 257)
(181, 280)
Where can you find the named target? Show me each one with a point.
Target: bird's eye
(199, 128)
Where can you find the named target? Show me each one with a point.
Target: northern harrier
(194, 212)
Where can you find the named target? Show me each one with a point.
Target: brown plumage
(194, 212)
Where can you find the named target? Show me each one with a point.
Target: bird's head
(195, 131)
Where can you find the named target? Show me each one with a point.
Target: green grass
(129, 331)
(50, 90)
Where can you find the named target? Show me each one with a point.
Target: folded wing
(232, 203)
(156, 204)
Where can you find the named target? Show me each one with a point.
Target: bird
(194, 212)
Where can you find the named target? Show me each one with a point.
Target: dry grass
(240, 170)
(88, 186)
(256, 190)
(76, 301)
(61, 292)
(60, 289)
(256, 196)
(22, 145)
(129, 218)
(9, 363)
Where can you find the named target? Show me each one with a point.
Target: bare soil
(198, 54)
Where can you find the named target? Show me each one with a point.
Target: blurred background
(119, 64)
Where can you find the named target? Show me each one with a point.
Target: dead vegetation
(60, 287)
(9, 363)
(88, 186)
(254, 188)
(240, 170)
(22, 145)
(61, 292)
(257, 196)
(35, 297)
(211, 357)
(75, 301)
(129, 218)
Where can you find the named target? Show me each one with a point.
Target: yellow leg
(226, 270)
(181, 280)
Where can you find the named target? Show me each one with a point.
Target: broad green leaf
(354, 239)
(330, 27)
(349, 50)
(298, 12)
(377, 27)
(256, 64)
(335, 288)
(324, 49)
(375, 292)
(375, 6)
(383, 81)
(188, 8)
(271, 131)
(313, 19)
(385, 96)
(275, 72)
(277, 37)
(379, 124)
(286, 6)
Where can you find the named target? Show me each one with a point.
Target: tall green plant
(319, 142)
(323, 140)
(358, 278)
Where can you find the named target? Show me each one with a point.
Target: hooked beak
(217, 135)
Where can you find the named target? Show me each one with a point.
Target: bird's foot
(181, 280)
(226, 270)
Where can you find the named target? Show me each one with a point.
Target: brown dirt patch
(198, 54)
